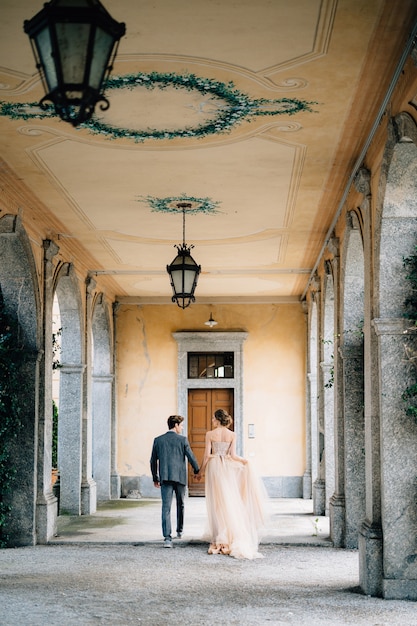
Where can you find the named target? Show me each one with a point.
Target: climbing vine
(56, 364)
(410, 346)
(12, 357)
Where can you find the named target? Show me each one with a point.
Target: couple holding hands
(235, 496)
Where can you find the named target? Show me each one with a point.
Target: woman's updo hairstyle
(223, 417)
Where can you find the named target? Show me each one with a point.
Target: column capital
(390, 325)
(351, 352)
(333, 246)
(108, 378)
(50, 249)
(72, 368)
(362, 181)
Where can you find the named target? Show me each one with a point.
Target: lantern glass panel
(73, 46)
(103, 45)
(44, 49)
(177, 281)
(189, 276)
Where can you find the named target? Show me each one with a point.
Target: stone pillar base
(399, 589)
(115, 486)
(88, 497)
(307, 486)
(337, 514)
(319, 497)
(46, 518)
(370, 559)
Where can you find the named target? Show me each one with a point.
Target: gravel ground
(144, 583)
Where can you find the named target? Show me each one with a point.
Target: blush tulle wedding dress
(236, 504)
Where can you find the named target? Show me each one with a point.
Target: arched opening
(398, 431)
(327, 392)
(312, 377)
(352, 354)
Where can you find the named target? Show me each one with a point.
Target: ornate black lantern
(74, 43)
(183, 271)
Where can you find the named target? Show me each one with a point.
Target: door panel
(202, 403)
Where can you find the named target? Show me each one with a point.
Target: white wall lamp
(211, 322)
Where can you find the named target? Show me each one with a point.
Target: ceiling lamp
(183, 271)
(74, 43)
(211, 322)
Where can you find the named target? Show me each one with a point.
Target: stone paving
(129, 521)
(111, 569)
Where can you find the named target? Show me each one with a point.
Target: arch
(327, 392)
(20, 298)
(102, 399)
(70, 430)
(396, 239)
(312, 376)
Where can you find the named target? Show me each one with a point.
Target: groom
(168, 469)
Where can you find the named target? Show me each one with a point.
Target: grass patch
(82, 524)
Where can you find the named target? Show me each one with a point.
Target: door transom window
(210, 365)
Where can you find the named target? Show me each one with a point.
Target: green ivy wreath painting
(170, 204)
(234, 106)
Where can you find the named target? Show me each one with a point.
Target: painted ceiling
(254, 113)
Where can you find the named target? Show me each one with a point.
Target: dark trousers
(167, 491)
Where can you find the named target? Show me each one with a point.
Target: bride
(235, 497)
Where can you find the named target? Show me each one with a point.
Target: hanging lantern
(74, 43)
(183, 271)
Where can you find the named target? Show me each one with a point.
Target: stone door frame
(212, 341)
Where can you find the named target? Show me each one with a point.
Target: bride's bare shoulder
(228, 436)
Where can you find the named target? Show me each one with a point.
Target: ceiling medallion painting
(171, 204)
(230, 106)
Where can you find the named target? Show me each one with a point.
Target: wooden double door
(202, 404)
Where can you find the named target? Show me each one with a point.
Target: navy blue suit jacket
(169, 452)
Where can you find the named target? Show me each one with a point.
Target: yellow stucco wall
(273, 385)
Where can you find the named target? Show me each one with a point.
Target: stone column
(115, 482)
(337, 505)
(319, 485)
(370, 532)
(22, 526)
(329, 470)
(88, 485)
(70, 432)
(307, 485)
(398, 464)
(312, 384)
(314, 358)
(46, 504)
(327, 370)
(102, 435)
(354, 446)
(19, 284)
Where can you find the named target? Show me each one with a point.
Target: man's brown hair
(173, 420)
